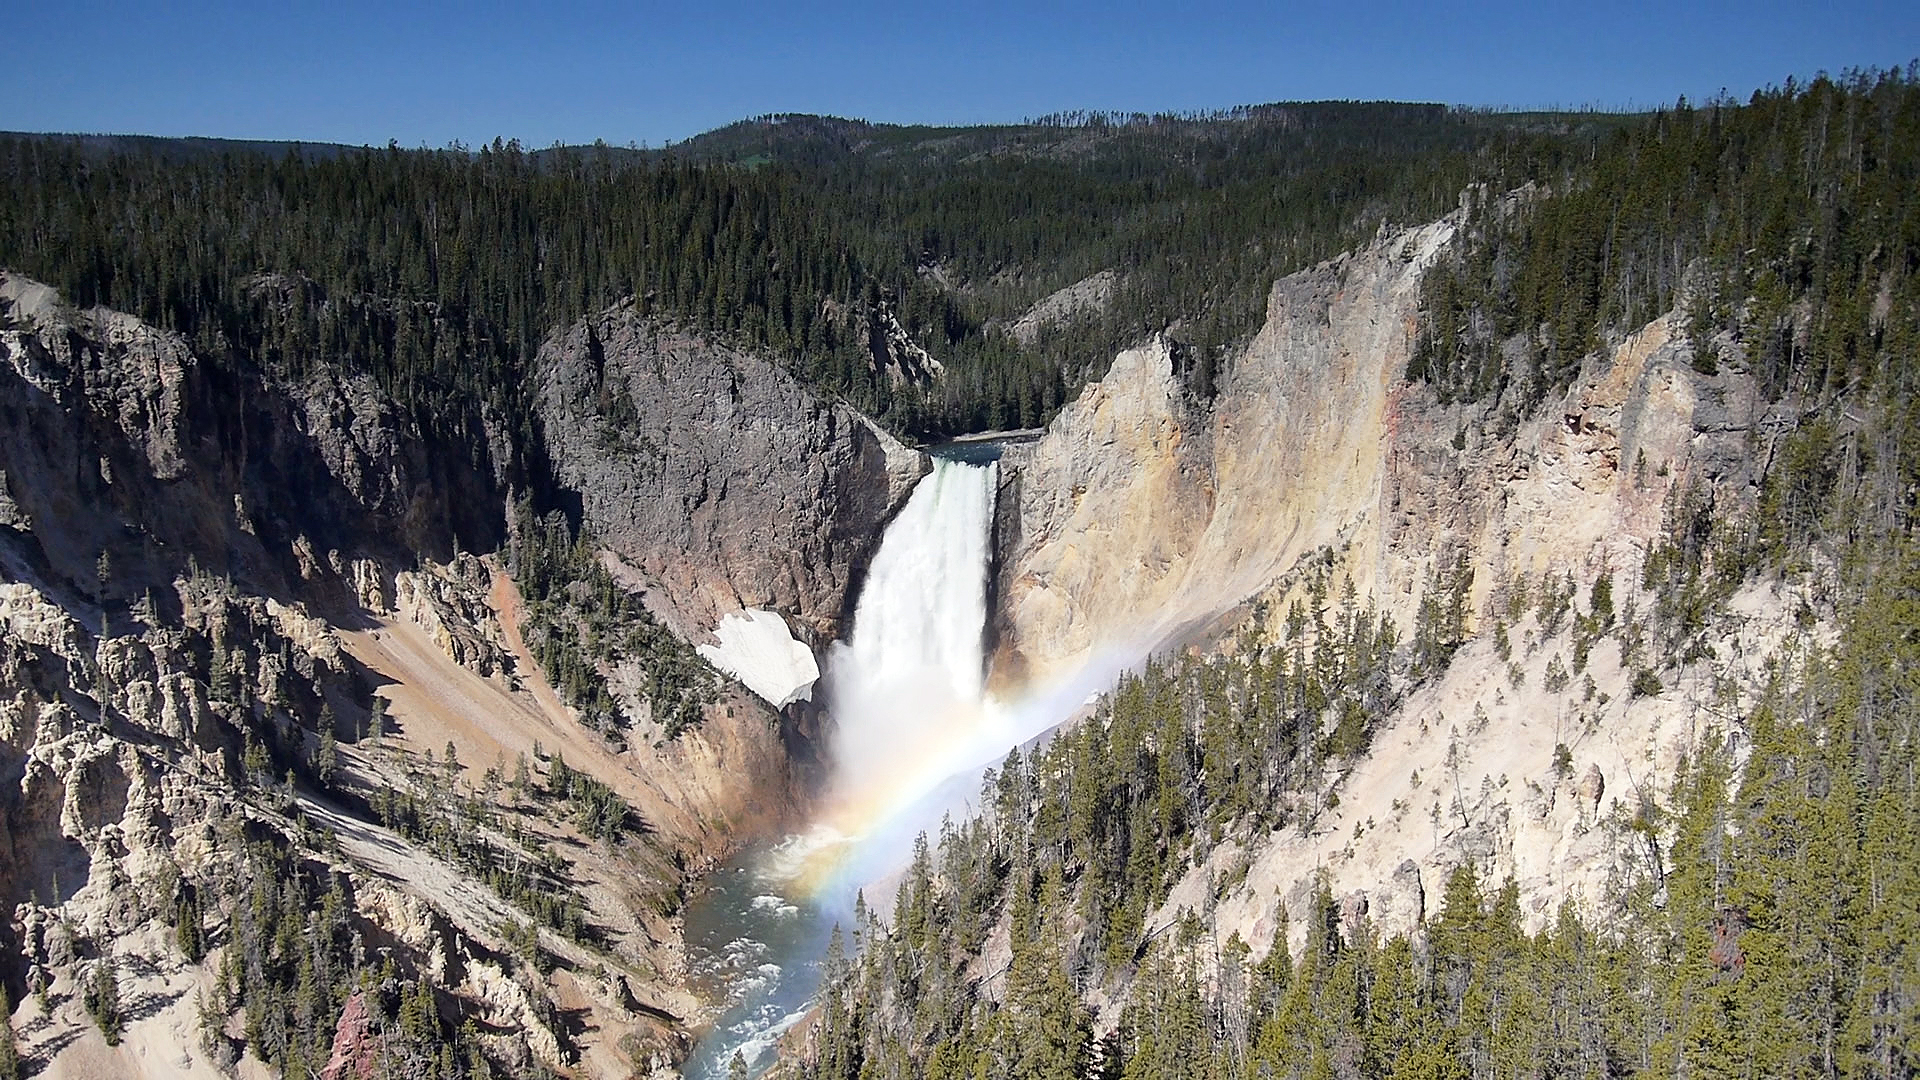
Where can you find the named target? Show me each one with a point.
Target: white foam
(907, 686)
(775, 905)
(791, 857)
(753, 1049)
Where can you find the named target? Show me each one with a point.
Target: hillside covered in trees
(1766, 909)
(440, 271)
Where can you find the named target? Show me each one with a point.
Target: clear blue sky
(428, 73)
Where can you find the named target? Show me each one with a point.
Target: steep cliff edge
(1147, 518)
(715, 474)
(117, 440)
(243, 639)
(1143, 511)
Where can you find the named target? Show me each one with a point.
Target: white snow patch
(757, 648)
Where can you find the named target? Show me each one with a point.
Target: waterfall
(907, 694)
(906, 689)
(913, 727)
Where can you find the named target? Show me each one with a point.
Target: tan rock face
(27, 616)
(120, 784)
(449, 603)
(1592, 786)
(1106, 512)
(1142, 512)
(196, 561)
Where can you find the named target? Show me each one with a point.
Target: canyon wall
(117, 440)
(1147, 518)
(1143, 512)
(201, 561)
(718, 477)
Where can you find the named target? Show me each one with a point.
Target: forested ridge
(1767, 917)
(1790, 224)
(440, 271)
(1776, 938)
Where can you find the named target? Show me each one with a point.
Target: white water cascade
(907, 689)
(913, 725)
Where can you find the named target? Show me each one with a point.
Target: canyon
(1145, 519)
(161, 511)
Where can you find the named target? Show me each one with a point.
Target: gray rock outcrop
(116, 438)
(1089, 295)
(712, 471)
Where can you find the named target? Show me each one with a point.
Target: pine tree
(10, 1065)
(188, 931)
(101, 998)
(255, 762)
(1883, 1033)
(326, 758)
(220, 676)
